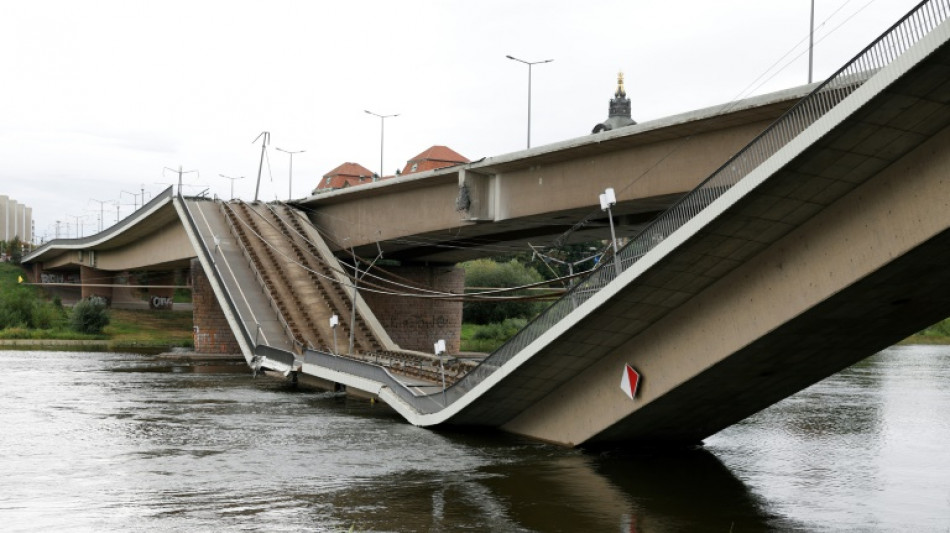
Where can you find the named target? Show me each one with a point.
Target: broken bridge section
(284, 286)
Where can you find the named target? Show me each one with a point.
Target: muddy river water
(126, 442)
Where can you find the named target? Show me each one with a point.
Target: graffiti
(52, 277)
(160, 302)
(99, 300)
(437, 322)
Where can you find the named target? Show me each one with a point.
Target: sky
(104, 99)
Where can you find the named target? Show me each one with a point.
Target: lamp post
(101, 203)
(530, 64)
(607, 200)
(382, 132)
(811, 42)
(290, 186)
(439, 349)
(334, 322)
(232, 182)
(135, 199)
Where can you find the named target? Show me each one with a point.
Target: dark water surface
(121, 442)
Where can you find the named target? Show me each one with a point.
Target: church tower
(618, 115)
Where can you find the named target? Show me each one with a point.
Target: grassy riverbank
(127, 329)
(31, 319)
(939, 333)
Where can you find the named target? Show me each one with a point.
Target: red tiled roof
(434, 157)
(345, 175)
(350, 169)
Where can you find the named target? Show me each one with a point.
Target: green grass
(151, 327)
(8, 279)
(126, 327)
(488, 337)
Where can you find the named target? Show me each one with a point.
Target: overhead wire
(430, 294)
(488, 244)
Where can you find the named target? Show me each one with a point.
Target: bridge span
(822, 241)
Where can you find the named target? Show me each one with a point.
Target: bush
(44, 316)
(488, 337)
(485, 273)
(500, 330)
(89, 316)
(16, 309)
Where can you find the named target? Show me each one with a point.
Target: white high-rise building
(16, 220)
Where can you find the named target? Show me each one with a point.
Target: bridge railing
(895, 41)
(209, 257)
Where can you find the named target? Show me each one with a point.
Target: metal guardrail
(209, 257)
(895, 41)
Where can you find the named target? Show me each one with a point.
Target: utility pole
(135, 204)
(811, 41)
(179, 172)
(232, 183)
(102, 204)
(290, 186)
(382, 135)
(530, 64)
(78, 223)
(260, 168)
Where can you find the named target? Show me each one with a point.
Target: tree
(486, 273)
(15, 250)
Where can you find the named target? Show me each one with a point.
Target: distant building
(16, 220)
(618, 115)
(433, 158)
(352, 174)
(345, 175)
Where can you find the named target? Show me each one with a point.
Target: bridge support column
(417, 323)
(90, 277)
(213, 334)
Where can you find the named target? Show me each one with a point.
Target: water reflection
(531, 487)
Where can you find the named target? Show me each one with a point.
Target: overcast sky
(100, 96)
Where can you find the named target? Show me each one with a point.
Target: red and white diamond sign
(630, 381)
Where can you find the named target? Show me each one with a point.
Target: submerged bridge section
(822, 241)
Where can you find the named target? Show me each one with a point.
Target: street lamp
(290, 187)
(334, 322)
(530, 64)
(439, 349)
(382, 131)
(101, 203)
(607, 200)
(232, 182)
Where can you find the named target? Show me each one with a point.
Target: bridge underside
(866, 317)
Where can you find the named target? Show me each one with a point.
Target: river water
(124, 442)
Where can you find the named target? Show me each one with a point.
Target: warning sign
(630, 381)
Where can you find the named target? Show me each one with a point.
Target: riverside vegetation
(26, 312)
